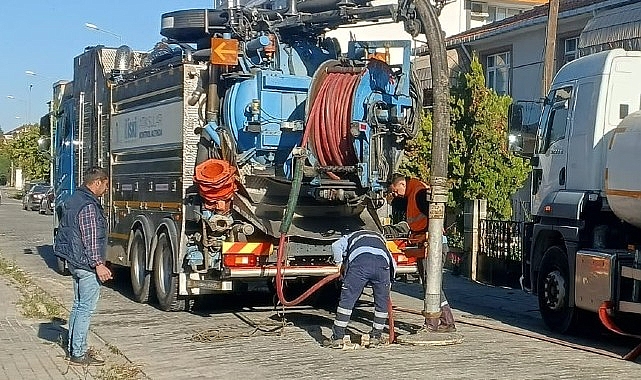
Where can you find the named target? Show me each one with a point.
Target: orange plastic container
(216, 183)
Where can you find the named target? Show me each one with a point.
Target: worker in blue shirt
(364, 259)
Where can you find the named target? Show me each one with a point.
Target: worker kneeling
(364, 259)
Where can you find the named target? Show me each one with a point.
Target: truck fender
(563, 204)
(144, 224)
(170, 226)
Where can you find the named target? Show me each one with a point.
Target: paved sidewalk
(28, 347)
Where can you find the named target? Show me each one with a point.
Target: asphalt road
(242, 336)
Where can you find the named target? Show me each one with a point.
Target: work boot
(86, 360)
(375, 341)
(447, 319)
(435, 325)
(333, 343)
(432, 324)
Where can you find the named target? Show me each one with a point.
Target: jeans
(86, 291)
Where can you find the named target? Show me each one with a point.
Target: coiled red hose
(330, 121)
(329, 125)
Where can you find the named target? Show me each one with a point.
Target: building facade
(512, 50)
(456, 17)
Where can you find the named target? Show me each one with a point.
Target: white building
(512, 50)
(456, 16)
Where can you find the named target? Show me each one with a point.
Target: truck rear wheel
(553, 287)
(140, 276)
(166, 282)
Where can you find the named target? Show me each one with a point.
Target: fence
(500, 252)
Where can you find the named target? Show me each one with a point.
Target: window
(570, 49)
(499, 13)
(478, 10)
(557, 120)
(498, 73)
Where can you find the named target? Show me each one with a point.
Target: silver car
(31, 199)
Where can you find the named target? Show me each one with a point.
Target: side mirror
(515, 126)
(44, 147)
(534, 161)
(44, 144)
(523, 123)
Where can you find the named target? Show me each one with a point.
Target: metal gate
(500, 252)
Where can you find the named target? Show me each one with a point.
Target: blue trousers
(364, 269)
(86, 291)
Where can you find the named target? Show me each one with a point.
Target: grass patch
(120, 372)
(34, 302)
(113, 349)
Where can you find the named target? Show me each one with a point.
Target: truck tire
(165, 280)
(140, 276)
(553, 287)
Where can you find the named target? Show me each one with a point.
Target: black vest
(68, 242)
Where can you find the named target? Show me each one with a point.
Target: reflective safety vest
(415, 218)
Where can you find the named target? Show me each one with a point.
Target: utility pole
(29, 104)
(550, 46)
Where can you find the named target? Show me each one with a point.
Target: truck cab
(579, 242)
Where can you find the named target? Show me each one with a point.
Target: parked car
(47, 202)
(31, 199)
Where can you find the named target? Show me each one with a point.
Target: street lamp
(34, 74)
(91, 26)
(11, 97)
(38, 76)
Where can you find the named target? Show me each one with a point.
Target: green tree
(5, 160)
(23, 151)
(480, 163)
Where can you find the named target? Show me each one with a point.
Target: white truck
(585, 242)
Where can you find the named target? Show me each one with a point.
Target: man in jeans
(364, 259)
(82, 242)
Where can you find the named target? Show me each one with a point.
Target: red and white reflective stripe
(258, 249)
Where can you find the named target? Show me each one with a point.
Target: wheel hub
(555, 290)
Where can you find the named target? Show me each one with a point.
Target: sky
(44, 36)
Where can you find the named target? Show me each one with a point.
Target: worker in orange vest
(416, 194)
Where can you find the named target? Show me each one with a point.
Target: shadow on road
(46, 252)
(53, 332)
(515, 308)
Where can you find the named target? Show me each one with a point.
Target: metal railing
(499, 261)
(501, 239)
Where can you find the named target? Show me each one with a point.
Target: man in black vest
(82, 242)
(364, 259)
